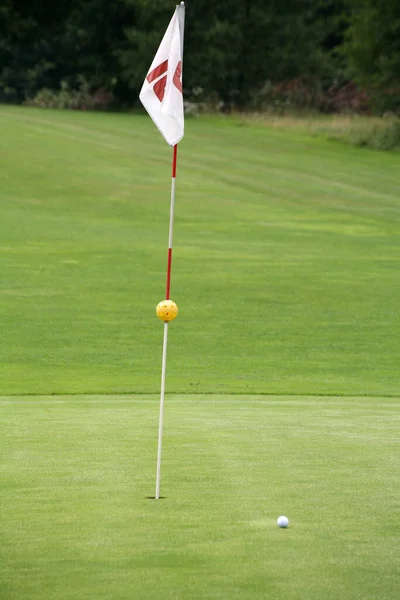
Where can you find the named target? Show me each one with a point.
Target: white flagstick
(161, 95)
(167, 293)
(161, 420)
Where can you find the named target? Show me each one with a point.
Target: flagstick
(164, 356)
(161, 419)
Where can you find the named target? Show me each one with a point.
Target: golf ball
(283, 521)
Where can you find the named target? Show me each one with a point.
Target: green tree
(18, 66)
(43, 44)
(234, 46)
(372, 48)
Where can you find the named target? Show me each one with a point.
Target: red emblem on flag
(160, 73)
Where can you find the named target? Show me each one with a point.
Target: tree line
(329, 54)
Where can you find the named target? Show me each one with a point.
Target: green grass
(286, 259)
(76, 521)
(286, 273)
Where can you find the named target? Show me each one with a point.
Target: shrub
(299, 94)
(386, 138)
(387, 100)
(379, 135)
(82, 98)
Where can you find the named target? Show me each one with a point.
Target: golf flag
(161, 93)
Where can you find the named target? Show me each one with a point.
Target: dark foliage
(238, 54)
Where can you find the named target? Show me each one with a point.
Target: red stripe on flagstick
(174, 160)
(168, 289)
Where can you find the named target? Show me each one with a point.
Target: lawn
(283, 380)
(76, 521)
(286, 259)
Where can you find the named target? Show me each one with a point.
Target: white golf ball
(283, 521)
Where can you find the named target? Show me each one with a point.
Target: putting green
(76, 521)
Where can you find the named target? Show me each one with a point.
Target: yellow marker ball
(167, 310)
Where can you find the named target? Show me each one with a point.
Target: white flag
(161, 94)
